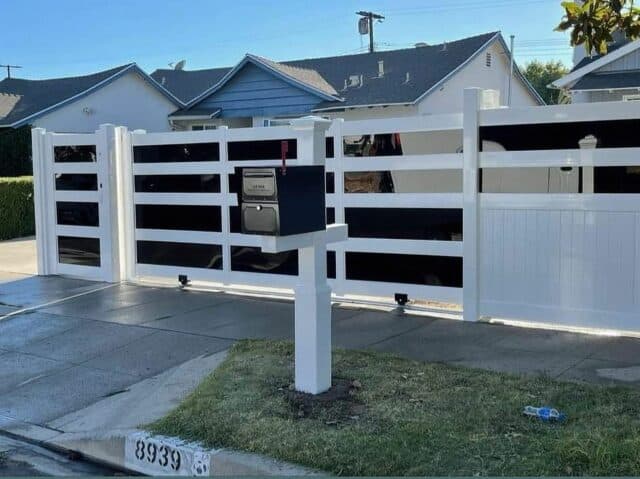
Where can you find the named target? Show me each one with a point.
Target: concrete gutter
(100, 431)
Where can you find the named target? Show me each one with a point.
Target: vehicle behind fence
(528, 214)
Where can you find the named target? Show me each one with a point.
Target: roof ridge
(76, 77)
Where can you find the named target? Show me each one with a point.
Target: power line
(463, 6)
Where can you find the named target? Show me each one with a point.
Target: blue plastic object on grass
(544, 413)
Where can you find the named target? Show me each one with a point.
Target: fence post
(124, 190)
(108, 157)
(40, 200)
(470, 212)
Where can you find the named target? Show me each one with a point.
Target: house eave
(568, 80)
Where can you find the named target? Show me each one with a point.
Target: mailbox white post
(312, 292)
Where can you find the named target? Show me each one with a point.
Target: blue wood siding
(255, 92)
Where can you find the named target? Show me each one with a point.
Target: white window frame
(203, 126)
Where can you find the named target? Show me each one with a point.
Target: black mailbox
(281, 203)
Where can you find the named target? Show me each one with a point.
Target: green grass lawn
(401, 417)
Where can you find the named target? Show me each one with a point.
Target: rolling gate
(120, 205)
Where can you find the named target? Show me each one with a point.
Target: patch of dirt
(340, 404)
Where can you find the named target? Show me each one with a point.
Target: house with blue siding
(427, 79)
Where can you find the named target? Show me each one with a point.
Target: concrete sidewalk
(62, 358)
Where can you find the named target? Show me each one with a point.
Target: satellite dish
(180, 65)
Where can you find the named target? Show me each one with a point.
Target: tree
(593, 22)
(541, 74)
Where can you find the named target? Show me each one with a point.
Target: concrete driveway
(64, 356)
(18, 256)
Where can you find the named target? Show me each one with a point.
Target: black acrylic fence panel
(405, 268)
(261, 150)
(79, 251)
(77, 213)
(405, 223)
(176, 153)
(179, 217)
(75, 154)
(177, 183)
(188, 255)
(76, 182)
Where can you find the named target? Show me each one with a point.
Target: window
(203, 127)
(631, 97)
(277, 121)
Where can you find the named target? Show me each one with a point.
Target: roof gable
(301, 78)
(253, 91)
(37, 97)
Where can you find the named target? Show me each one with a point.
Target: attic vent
(421, 44)
(488, 60)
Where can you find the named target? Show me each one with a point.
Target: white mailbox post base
(312, 304)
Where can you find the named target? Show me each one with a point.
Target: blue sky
(73, 37)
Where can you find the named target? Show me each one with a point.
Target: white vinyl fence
(119, 205)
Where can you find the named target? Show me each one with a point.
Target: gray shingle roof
(188, 84)
(408, 73)
(38, 95)
(603, 81)
(303, 75)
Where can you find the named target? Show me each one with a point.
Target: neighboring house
(125, 95)
(415, 81)
(614, 76)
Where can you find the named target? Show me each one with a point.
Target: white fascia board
(571, 78)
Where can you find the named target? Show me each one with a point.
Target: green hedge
(16, 207)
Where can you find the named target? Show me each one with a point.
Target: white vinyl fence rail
(567, 258)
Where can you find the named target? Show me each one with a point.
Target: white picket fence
(561, 258)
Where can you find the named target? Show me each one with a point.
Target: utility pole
(9, 67)
(371, 16)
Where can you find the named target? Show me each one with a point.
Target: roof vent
(163, 81)
(421, 44)
(380, 68)
(355, 81)
(444, 47)
(407, 78)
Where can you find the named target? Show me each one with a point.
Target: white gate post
(470, 212)
(313, 294)
(39, 159)
(124, 190)
(108, 157)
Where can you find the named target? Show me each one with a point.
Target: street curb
(109, 451)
